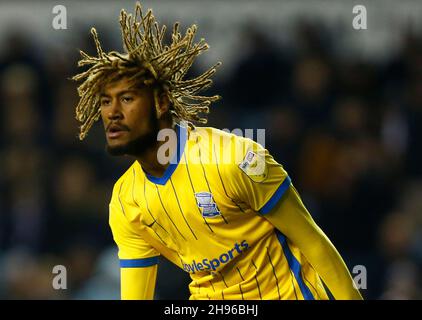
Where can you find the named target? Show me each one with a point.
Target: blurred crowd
(346, 129)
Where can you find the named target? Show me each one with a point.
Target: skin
(131, 121)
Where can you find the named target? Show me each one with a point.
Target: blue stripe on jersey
(294, 266)
(181, 132)
(138, 263)
(276, 196)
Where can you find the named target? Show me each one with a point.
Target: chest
(193, 210)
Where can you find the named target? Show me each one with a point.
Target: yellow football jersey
(205, 214)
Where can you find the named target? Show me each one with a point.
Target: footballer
(221, 208)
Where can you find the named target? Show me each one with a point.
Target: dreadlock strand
(124, 27)
(138, 11)
(115, 54)
(203, 98)
(158, 37)
(97, 43)
(162, 33)
(185, 61)
(176, 34)
(86, 57)
(136, 28)
(203, 77)
(169, 53)
(93, 117)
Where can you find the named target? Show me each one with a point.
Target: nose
(115, 112)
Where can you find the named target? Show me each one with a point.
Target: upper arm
(138, 259)
(290, 216)
(138, 283)
(130, 243)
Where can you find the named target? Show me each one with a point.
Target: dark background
(342, 110)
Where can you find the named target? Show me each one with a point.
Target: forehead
(115, 87)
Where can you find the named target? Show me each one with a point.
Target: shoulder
(222, 141)
(122, 206)
(233, 153)
(124, 184)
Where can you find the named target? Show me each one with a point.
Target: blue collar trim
(182, 135)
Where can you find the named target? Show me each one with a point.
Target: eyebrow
(120, 93)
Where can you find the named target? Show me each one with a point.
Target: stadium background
(342, 111)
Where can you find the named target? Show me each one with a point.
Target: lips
(115, 130)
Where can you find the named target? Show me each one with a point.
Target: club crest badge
(207, 205)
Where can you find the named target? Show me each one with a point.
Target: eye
(104, 102)
(127, 99)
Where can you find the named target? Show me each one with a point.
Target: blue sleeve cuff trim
(276, 196)
(138, 263)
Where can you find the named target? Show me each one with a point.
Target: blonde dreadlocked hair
(148, 62)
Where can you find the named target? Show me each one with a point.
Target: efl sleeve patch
(254, 166)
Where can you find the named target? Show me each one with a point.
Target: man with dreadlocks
(222, 209)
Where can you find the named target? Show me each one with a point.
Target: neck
(149, 159)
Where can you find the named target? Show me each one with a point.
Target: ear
(162, 103)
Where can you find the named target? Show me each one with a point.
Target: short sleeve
(134, 251)
(255, 177)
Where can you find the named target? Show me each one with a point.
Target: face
(129, 118)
